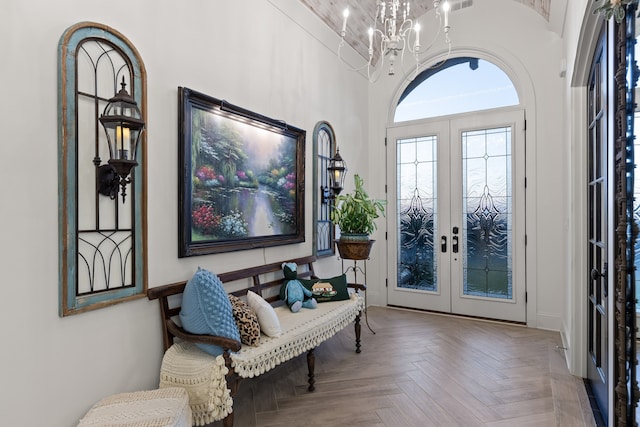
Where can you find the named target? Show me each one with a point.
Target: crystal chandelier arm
(386, 28)
(405, 47)
(434, 66)
(417, 53)
(372, 75)
(406, 35)
(380, 12)
(349, 67)
(384, 40)
(435, 37)
(408, 23)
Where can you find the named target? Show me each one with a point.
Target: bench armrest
(225, 343)
(357, 286)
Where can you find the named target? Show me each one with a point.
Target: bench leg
(357, 328)
(311, 364)
(228, 420)
(233, 383)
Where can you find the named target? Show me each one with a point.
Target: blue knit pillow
(206, 310)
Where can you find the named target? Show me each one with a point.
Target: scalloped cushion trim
(302, 331)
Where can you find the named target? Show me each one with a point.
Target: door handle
(443, 243)
(595, 275)
(454, 241)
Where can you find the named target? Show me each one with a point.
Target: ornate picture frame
(241, 178)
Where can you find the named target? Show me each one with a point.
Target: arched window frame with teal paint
(114, 269)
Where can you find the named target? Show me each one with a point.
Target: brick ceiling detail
(362, 13)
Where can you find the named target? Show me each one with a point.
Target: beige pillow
(247, 321)
(269, 322)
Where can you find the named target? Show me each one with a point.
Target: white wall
(249, 52)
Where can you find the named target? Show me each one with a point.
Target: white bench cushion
(301, 332)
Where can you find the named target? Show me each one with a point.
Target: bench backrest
(264, 280)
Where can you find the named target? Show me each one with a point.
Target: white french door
(456, 215)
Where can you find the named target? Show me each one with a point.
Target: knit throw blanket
(203, 375)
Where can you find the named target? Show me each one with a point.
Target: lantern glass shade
(123, 125)
(337, 171)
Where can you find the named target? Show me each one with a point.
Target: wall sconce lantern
(337, 171)
(123, 125)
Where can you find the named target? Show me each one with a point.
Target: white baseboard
(549, 321)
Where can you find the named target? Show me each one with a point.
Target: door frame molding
(575, 323)
(524, 86)
(448, 130)
(574, 329)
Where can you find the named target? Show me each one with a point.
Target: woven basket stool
(166, 407)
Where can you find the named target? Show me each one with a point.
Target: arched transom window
(459, 85)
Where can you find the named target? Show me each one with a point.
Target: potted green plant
(615, 8)
(355, 214)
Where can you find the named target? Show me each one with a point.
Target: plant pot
(354, 249)
(354, 237)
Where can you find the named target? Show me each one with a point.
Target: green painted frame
(69, 300)
(321, 179)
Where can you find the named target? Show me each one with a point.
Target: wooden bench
(264, 280)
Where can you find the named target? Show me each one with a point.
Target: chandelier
(395, 35)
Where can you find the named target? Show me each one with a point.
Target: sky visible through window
(458, 89)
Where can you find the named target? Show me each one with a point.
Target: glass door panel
(419, 217)
(488, 276)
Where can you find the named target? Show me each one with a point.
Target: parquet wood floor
(422, 369)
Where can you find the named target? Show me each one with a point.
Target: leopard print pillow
(247, 321)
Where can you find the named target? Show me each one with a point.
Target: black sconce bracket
(108, 181)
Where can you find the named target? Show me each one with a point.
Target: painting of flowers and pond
(242, 178)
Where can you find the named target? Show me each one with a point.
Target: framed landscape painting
(241, 178)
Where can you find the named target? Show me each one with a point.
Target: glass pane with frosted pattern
(417, 219)
(487, 209)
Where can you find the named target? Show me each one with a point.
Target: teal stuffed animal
(293, 292)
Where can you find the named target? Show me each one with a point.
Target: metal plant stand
(355, 268)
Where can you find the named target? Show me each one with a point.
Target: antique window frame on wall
(102, 241)
(228, 169)
(324, 148)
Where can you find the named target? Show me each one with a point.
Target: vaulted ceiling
(362, 14)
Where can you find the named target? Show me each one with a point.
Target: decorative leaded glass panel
(417, 222)
(487, 209)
